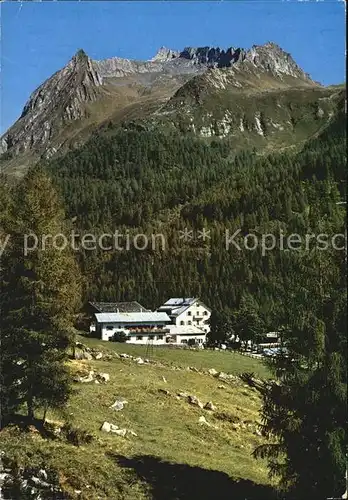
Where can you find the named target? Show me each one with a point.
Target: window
(205, 313)
(184, 341)
(159, 337)
(139, 337)
(189, 313)
(109, 327)
(182, 322)
(189, 322)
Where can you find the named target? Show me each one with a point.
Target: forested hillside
(151, 181)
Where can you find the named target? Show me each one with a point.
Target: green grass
(224, 361)
(169, 444)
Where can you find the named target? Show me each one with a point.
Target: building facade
(187, 312)
(138, 327)
(111, 307)
(179, 321)
(185, 335)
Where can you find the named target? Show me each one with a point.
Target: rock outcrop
(165, 54)
(58, 101)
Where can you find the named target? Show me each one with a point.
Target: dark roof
(114, 307)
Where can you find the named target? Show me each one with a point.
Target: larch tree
(305, 409)
(40, 294)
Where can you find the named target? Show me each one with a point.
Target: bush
(119, 337)
(76, 435)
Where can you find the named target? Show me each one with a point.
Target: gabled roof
(176, 306)
(180, 301)
(114, 307)
(132, 317)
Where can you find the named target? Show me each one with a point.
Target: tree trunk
(45, 413)
(30, 407)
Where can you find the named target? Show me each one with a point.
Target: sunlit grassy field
(224, 361)
(172, 455)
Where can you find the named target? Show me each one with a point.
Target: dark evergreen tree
(221, 327)
(40, 294)
(305, 410)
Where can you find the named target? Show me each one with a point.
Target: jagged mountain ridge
(73, 103)
(82, 80)
(269, 56)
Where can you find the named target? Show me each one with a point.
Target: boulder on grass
(118, 404)
(89, 378)
(210, 406)
(86, 355)
(106, 427)
(183, 395)
(203, 421)
(193, 400)
(120, 432)
(164, 391)
(103, 377)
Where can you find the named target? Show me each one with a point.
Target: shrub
(76, 435)
(119, 337)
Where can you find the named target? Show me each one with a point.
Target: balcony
(147, 330)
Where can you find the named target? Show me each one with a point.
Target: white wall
(133, 339)
(107, 333)
(197, 309)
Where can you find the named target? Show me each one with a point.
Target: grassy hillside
(172, 455)
(222, 361)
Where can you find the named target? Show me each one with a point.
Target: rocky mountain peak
(272, 57)
(59, 99)
(78, 77)
(268, 57)
(80, 55)
(165, 54)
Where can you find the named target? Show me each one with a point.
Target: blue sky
(39, 38)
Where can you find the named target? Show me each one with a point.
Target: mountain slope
(66, 109)
(246, 103)
(150, 178)
(189, 460)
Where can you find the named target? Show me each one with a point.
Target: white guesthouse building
(139, 327)
(189, 320)
(178, 321)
